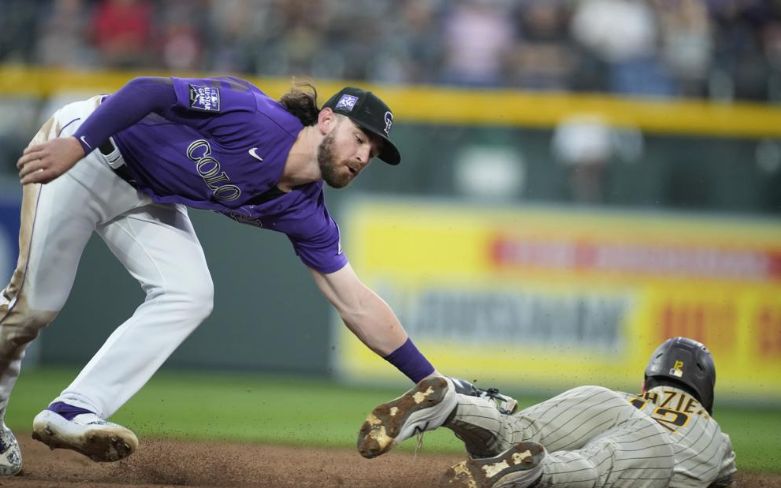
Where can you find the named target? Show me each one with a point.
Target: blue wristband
(410, 361)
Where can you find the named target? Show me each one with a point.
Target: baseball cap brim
(388, 151)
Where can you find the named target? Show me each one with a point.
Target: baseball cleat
(425, 407)
(504, 403)
(518, 467)
(87, 434)
(10, 454)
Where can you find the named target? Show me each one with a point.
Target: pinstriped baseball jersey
(702, 452)
(594, 437)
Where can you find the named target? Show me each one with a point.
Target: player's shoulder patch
(204, 98)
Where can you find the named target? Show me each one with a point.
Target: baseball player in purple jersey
(586, 437)
(126, 166)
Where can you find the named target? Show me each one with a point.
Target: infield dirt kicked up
(174, 463)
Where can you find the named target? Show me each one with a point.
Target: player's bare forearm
(42, 163)
(375, 324)
(363, 311)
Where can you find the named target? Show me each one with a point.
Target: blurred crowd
(717, 49)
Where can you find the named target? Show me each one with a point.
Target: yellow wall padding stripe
(440, 105)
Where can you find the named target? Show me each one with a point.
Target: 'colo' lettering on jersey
(209, 168)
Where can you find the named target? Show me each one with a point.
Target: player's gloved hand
(42, 163)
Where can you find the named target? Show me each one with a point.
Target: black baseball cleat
(425, 407)
(517, 467)
(504, 403)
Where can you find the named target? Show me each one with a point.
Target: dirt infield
(166, 463)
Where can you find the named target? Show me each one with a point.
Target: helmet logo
(677, 369)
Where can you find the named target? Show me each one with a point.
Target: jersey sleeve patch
(204, 98)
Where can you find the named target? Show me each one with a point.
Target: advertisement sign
(549, 298)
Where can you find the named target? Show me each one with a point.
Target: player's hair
(301, 101)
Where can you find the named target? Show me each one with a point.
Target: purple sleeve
(314, 234)
(324, 255)
(138, 98)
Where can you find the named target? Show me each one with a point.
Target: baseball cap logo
(388, 122)
(346, 103)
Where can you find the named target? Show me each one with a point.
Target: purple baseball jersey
(223, 147)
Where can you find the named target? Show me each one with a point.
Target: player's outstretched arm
(363, 312)
(372, 320)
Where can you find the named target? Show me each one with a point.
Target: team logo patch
(388, 122)
(677, 369)
(346, 103)
(204, 98)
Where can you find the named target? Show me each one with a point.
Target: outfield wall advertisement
(550, 298)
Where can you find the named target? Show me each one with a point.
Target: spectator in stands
(771, 36)
(181, 44)
(347, 38)
(722, 49)
(741, 70)
(237, 30)
(122, 32)
(412, 45)
(686, 43)
(542, 59)
(468, 61)
(18, 32)
(62, 40)
(623, 33)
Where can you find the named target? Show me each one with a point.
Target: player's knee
(21, 326)
(199, 298)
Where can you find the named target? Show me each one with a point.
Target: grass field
(298, 411)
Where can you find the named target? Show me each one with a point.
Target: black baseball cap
(370, 114)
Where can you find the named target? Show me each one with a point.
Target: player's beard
(328, 164)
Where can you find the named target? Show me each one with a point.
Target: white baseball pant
(155, 243)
